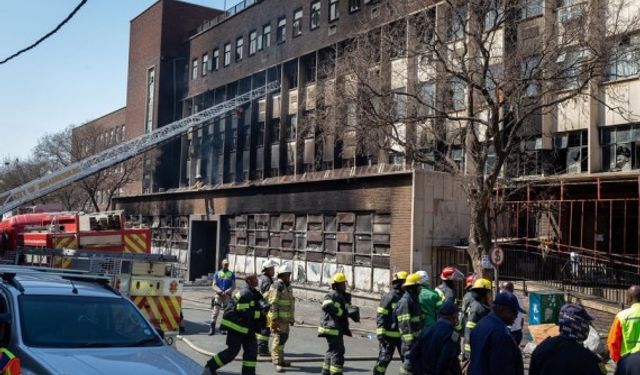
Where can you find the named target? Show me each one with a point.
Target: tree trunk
(479, 237)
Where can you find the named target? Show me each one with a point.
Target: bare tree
(466, 87)
(62, 148)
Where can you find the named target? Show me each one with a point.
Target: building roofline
(259, 184)
(177, 1)
(101, 117)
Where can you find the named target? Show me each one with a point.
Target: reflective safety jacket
(409, 317)
(385, 322)
(264, 283)
(475, 311)
(280, 298)
(446, 293)
(624, 335)
(9, 363)
(335, 314)
(246, 312)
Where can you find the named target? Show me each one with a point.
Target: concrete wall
(440, 215)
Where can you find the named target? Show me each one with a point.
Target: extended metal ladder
(74, 172)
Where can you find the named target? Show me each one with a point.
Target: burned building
(263, 181)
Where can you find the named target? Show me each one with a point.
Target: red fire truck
(99, 243)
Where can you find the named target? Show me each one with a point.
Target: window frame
(317, 12)
(253, 42)
(355, 6)
(334, 10)
(239, 55)
(215, 60)
(296, 25)
(205, 64)
(194, 69)
(281, 30)
(227, 54)
(266, 35)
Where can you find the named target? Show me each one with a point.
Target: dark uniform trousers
(388, 346)
(263, 341)
(334, 359)
(235, 341)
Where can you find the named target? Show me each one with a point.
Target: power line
(50, 33)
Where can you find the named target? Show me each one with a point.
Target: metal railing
(577, 274)
(242, 5)
(574, 274)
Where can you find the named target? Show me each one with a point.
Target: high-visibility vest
(630, 324)
(9, 363)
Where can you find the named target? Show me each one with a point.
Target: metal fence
(577, 274)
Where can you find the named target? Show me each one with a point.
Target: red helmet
(451, 273)
(469, 281)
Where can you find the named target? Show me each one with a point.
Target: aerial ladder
(74, 172)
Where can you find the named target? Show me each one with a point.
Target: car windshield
(83, 322)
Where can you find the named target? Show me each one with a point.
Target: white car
(66, 324)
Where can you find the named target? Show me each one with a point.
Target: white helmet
(424, 277)
(285, 267)
(269, 263)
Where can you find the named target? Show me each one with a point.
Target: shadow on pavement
(192, 328)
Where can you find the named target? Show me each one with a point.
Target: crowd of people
(432, 331)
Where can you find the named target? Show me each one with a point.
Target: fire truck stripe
(157, 313)
(130, 246)
(174, 306)
(166, 311)
(140, 239)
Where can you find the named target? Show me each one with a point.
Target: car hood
(108, 361)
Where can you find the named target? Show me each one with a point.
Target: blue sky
(78, 74)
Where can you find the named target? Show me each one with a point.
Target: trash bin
(544, 306)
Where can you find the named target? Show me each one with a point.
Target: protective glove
(274, 326)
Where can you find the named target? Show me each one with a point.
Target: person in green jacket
(428, 300)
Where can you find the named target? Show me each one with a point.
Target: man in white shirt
(516, 327)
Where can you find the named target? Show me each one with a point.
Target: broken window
(314, 18)
(239, 48)
(281, 31)
(571, 152)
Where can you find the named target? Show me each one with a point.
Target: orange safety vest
(624, 336)
(9, 363)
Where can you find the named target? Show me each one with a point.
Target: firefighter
(387, 327)
(437, 349)
(429, 300)
(447, 290)
(478, 308)
(493, 351)
(336, 311)
(624, 335)
(409, 317)
(9, 363)
(281, 314)
(244, 315)
(224, 283)
(264, 284)
(468, 297)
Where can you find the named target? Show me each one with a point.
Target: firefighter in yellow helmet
(387, 326)
(409, 317)
(478, 308)
(336, 311)
(281, 313)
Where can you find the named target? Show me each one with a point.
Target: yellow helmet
(482, 284)
(400, 276)
(413, 279)
(338, 278)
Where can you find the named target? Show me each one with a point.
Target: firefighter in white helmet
(281, 314)
(265, 280)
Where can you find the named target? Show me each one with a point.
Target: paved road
(303, 342)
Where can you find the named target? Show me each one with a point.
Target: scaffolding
(597, 217)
